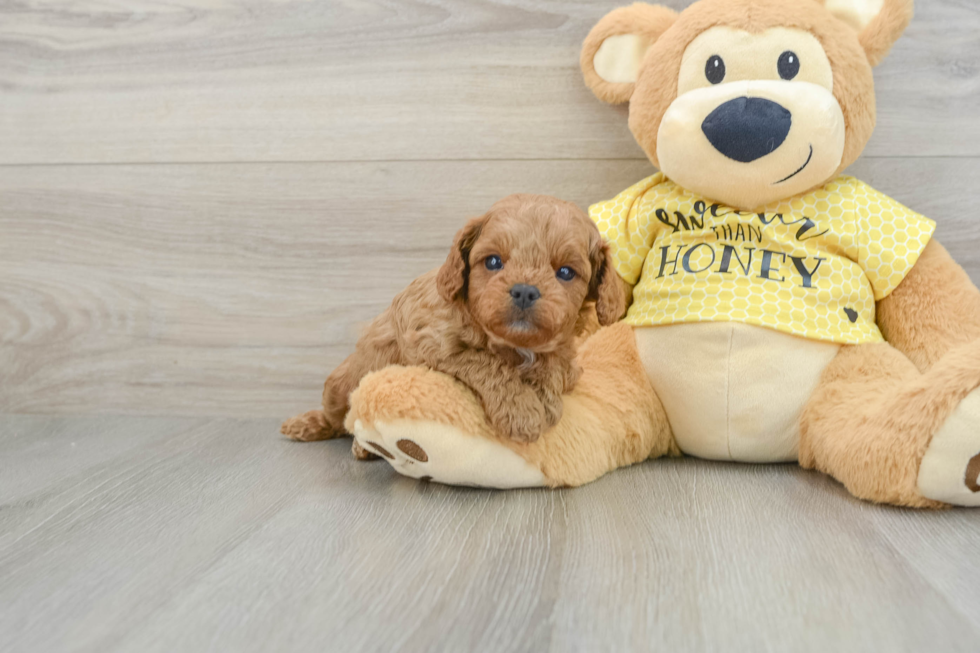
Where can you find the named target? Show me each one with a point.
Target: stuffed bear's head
(746, 102)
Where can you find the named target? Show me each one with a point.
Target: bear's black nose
(747, 128)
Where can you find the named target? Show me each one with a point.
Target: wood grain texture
(218, 535)
(234, 289)
(295, 80)
(199, 203)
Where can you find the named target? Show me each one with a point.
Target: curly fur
(462, 320)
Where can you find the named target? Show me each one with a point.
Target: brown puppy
(501, 315)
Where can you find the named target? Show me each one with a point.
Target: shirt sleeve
(890, 238)
(630, 234)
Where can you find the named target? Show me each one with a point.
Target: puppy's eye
(494, 263)
(789, 65)
(565, 273)
(714, 70)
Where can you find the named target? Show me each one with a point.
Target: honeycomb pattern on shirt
(811, 266)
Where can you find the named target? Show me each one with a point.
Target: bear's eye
(493, 262)
(789, 65)
(714, 70)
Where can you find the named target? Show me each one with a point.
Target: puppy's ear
(879, 23)
(605, 287)
(614, 49)
(454, 273)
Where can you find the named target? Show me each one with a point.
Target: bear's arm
(934, 309)
(627, 291)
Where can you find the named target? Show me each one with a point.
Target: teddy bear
(779, 311)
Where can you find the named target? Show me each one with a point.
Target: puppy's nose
(524, 295)
(747, 128)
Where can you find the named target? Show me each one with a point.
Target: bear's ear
(879, 23)
(613, 50)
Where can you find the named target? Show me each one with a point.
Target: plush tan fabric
(935, 309)
(941, 475)
(733, 391)
(871, 421)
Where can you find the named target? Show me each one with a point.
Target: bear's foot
(430, 451)
(428, 426)
(950, 469)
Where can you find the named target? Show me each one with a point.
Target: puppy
(502, 315)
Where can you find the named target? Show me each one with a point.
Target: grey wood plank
(225, 537)
(113, 548)
(933, 544)
(781, 559)
(44, 459)
(233, 290)
(88, 82)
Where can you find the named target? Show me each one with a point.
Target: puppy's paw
(362, 454)
(521, 419)
(552, 409)
(308, 427)
(572, 374)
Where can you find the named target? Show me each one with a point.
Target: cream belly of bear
(733, 391)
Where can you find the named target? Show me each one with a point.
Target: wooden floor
(199, 204)
(194, 534)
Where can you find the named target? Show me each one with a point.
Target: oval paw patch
(381, 450)
(973, 474)
(412, 450)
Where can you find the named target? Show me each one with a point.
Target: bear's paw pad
(430, 451)
(950, 469)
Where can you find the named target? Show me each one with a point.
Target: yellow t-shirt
(812, 266)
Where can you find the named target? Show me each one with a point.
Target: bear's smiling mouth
(802, 168)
